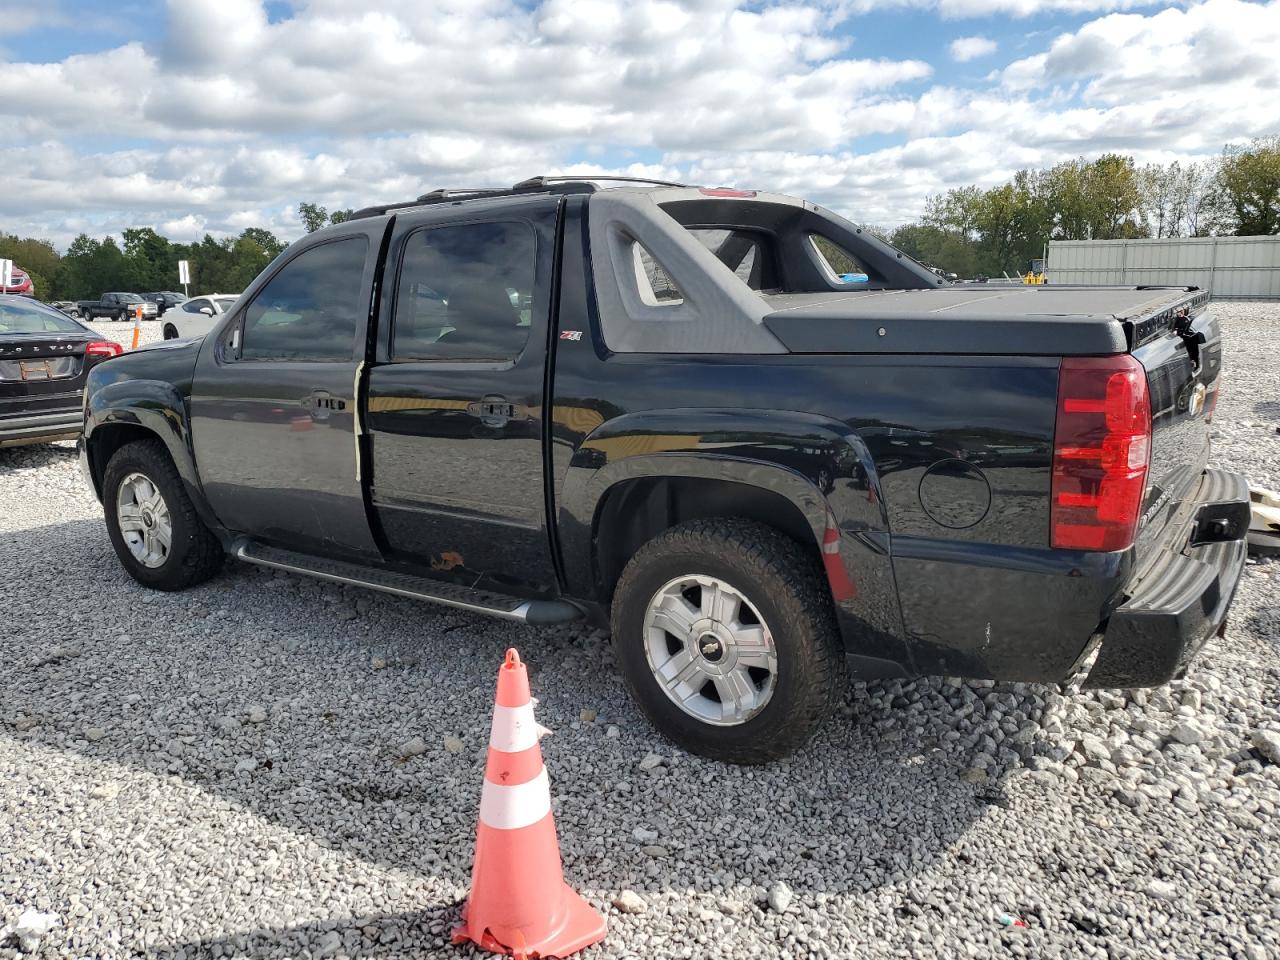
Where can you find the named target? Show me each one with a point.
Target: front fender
(819, 465)
(151, 405)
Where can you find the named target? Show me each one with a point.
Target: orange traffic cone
(519, 902)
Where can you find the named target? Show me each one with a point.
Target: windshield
(224, 303)
(34, 318)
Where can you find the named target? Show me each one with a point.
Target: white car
(198, 315)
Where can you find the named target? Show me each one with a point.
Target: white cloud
(964, 49)
(230, 120)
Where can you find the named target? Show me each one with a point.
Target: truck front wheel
(151, 521)
(726, 636)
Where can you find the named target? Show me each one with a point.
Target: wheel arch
(810, 477)
(635, 510)
(127, 410)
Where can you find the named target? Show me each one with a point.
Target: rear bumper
(1178, 602)
(44, 428)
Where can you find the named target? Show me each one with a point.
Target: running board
(536, 612)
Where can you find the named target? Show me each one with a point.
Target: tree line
(970, 231)
(989, 232)
(143, 261)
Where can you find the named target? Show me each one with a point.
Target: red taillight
(1101, 451)
(103, 348)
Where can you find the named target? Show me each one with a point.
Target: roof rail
(535, 183)
(543, 184)
(444, 194)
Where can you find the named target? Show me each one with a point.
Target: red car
(21, 285)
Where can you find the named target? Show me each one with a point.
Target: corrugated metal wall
(1228, 267)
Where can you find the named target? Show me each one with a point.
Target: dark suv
(164, 300)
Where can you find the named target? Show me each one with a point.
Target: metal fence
(1231, 268)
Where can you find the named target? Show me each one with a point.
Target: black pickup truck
(660, 408)
(117, 306)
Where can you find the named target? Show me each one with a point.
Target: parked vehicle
(198, 315)
(20, 284)
(45, 357)
(165, 300)
(756, 474)
(116, 306)
(65, 306)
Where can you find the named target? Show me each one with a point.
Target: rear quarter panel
(935, 470)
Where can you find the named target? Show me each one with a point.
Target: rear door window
(312, 308)
(465, 292)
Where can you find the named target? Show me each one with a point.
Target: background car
(165, 300)
(198, 315)
(65, 306)
(116, 306)
(21, 285)
(45, 357)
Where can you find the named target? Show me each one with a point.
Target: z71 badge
(570, 334)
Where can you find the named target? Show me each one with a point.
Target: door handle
(321, 403)
(493, 411)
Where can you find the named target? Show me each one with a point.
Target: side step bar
(535, 612)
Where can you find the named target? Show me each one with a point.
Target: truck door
(454, 411)
(273, 401)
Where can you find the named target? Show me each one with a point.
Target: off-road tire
(786, 585)
(195, 554)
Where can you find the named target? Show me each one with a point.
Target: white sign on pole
(184, 271)
(6, 274)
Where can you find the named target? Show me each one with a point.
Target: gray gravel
(272, 766)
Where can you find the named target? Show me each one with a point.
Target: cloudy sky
(212, 115)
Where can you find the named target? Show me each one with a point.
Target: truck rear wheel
(726, 636)
(153, 525)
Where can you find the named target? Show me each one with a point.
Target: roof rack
(534, 183)
(542, 184)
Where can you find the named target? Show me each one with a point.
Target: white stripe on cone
(510, 808)
(513, 728)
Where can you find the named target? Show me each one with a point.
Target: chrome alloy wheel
(144, 520)
(710, 650)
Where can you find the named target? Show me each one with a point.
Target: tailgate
(1181, 351)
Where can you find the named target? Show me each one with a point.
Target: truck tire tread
(776, 571)
(200, 554)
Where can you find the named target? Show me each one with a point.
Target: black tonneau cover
(968, 319)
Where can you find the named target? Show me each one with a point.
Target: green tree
(1249, 180)
(150, 262)
(267, 241)
(341, 216)
(1113, 198)
(313, 216)
(944, 249)
(38, 258)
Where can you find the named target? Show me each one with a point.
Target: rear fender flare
(819, 465)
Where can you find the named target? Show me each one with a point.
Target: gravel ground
(232, 771)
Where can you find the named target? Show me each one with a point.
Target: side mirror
(207, 311)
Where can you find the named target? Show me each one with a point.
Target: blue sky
(198, 116)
